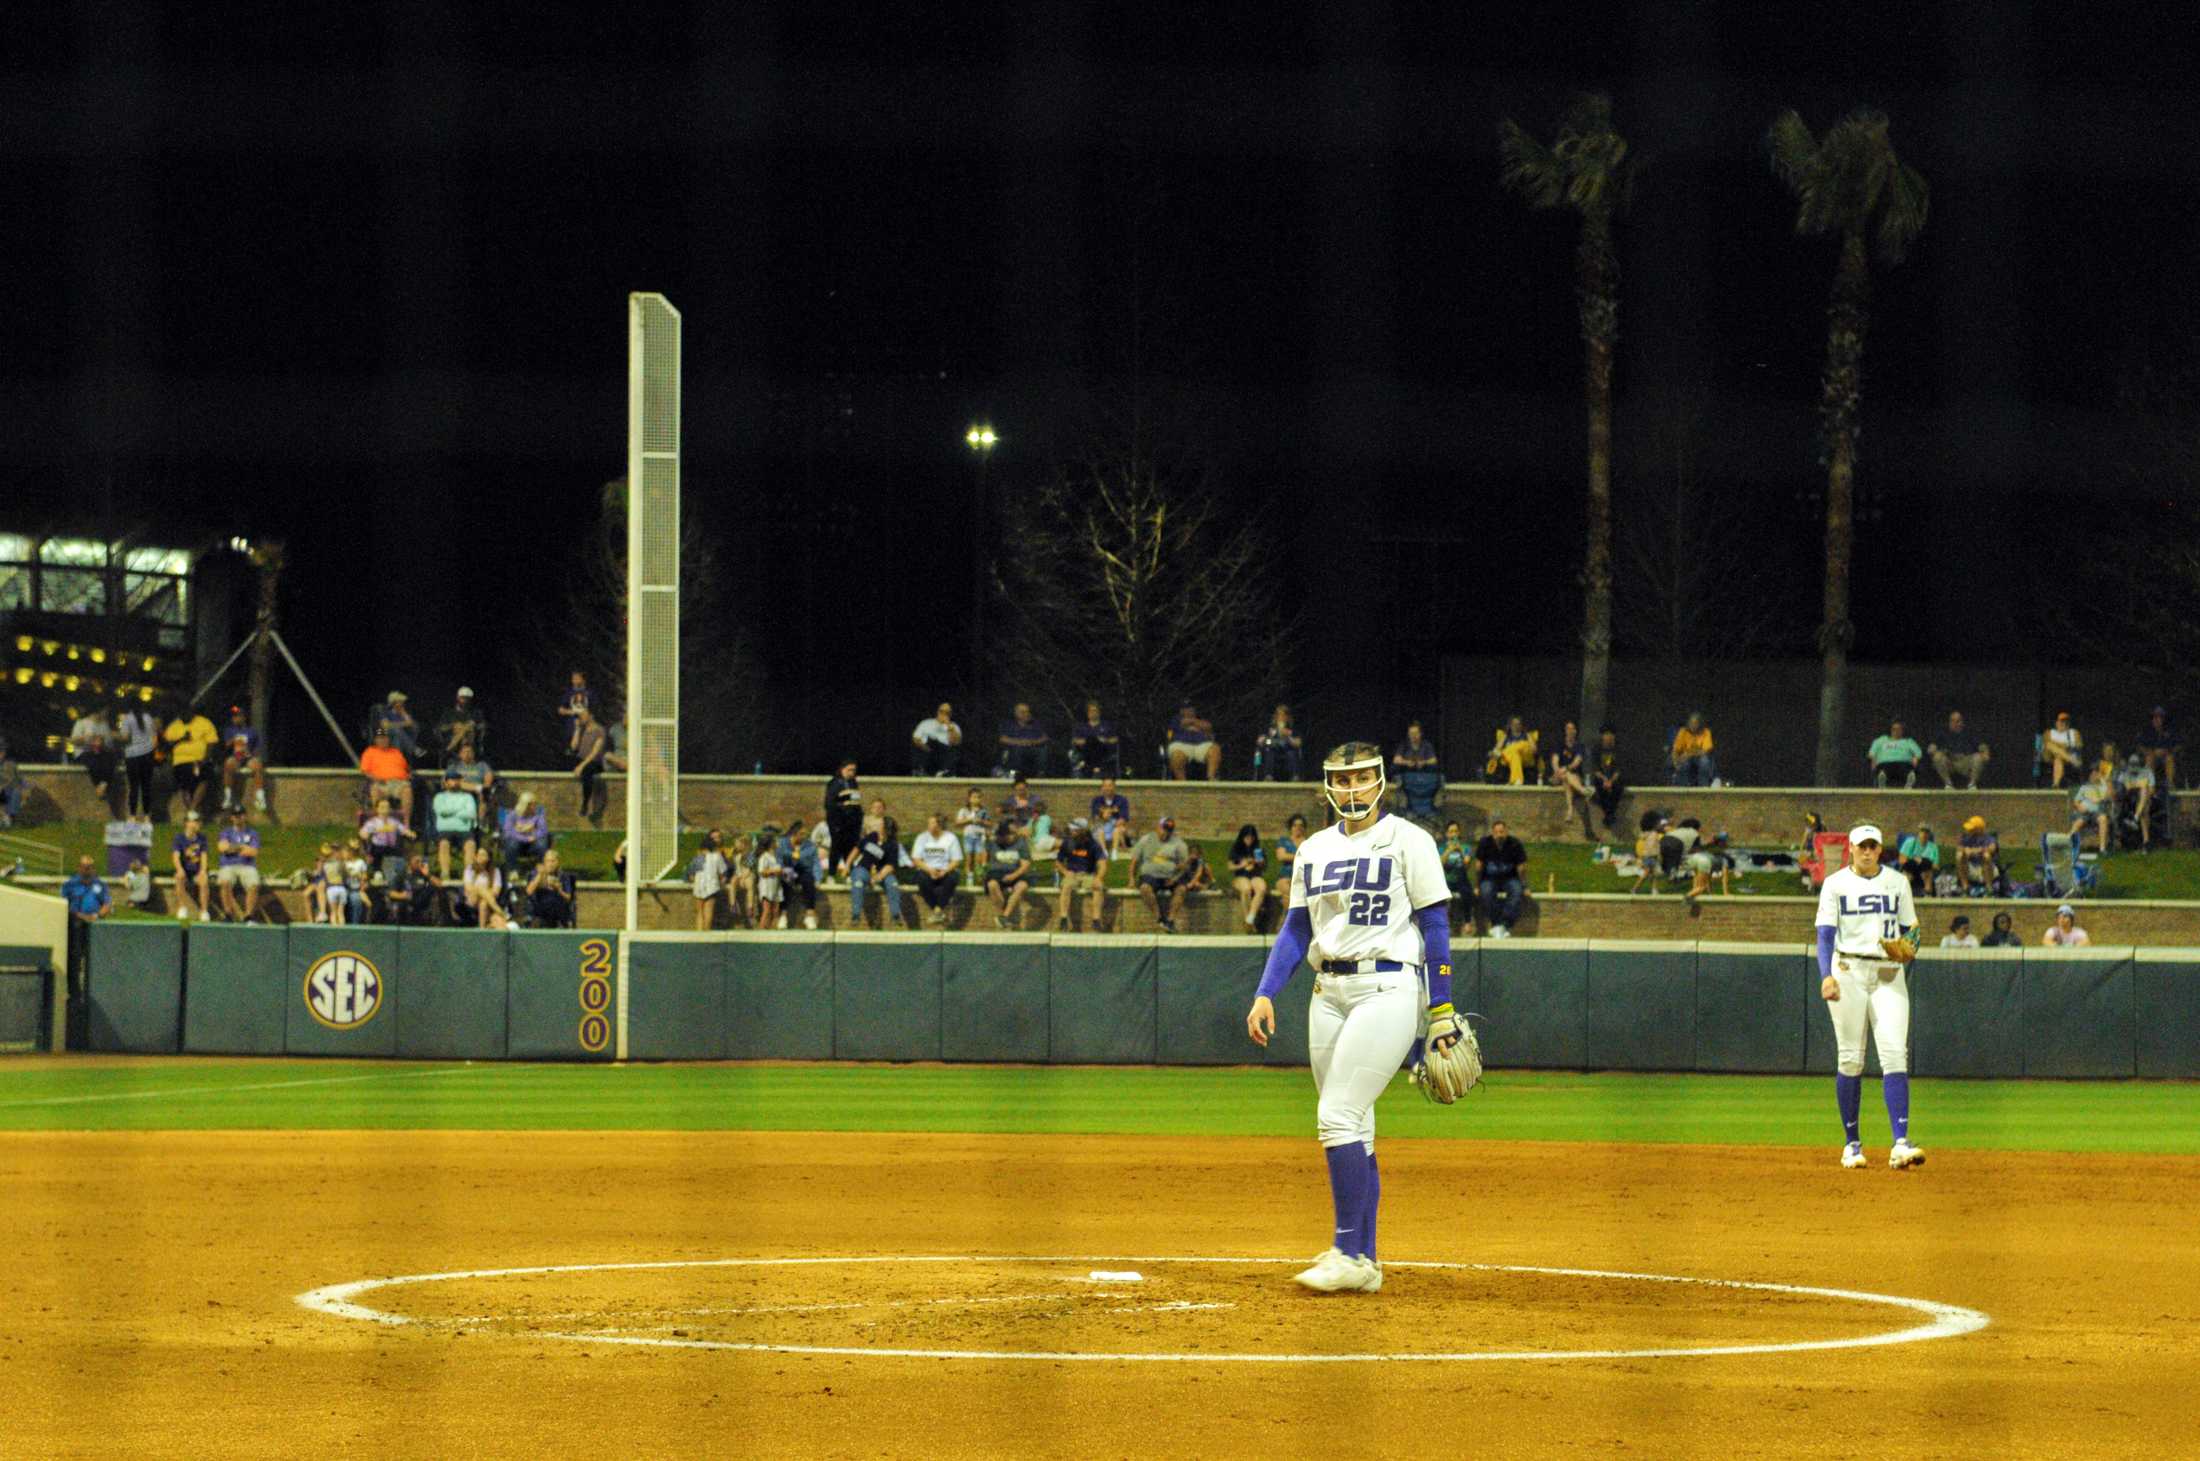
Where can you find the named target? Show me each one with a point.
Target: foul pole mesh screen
(653, 592)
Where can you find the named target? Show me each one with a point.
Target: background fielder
(1369, 909)
(1867, 934)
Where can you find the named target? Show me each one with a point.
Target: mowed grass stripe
(156, 1094)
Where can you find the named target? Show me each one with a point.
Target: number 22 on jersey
(1367, 879)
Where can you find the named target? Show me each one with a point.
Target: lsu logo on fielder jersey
(1342, 876)
(1869, 903)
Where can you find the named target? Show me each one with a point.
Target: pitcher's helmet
(1360, 801)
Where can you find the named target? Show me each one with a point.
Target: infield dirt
(152, 1281)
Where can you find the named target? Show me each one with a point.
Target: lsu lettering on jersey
(1861, 911)
(1360, 892)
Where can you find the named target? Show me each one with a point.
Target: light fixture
(240, 545)
(71, 683)
(23, 642)
(981, 437)
(99, 656)
(145, 692)
(148, 666)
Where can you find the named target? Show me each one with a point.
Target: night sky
(355, 274)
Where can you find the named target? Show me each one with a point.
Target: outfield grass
(171, 1094)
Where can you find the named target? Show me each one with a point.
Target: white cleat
(1852, 1155)
(1335, 1272)
(1905, 1155)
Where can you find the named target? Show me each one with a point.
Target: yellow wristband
(1438, 1009)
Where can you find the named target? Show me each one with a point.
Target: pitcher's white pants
(1882, 1003)
(1358, 1031)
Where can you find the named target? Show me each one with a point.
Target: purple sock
(1895, 1086)
(1849, 1091)
(1348, 1191)
(1374, 1200)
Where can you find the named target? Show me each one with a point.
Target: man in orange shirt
(387, 773)
(1692, 761)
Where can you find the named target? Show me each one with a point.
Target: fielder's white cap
(1864, 832)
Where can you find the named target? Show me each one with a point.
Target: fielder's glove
(1901, 950)
(1451, 1058)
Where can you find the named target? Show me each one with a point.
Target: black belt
(1362, 966)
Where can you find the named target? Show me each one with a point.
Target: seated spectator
(2003, 935)
(878, 857)
(478, 779)
(238, 877)
(1978, 860)
(2159, 742)
(1959, 935)
(243, 761)
(707, 873)
(1606, 782)
(1415, 752)
(457, 820)
(2094, 802)
(334, 869)
(389, 775)
(1158, 861)
(614, 730)
(938, 857)
(589, 753)
(1094, 747)
(1080, 865)
(553, 899)
(1458, 861)
(1693, 762)
(1191, 739)
(1286, 862)
(1568, 770)
(1499, 858)
(187, 856)
(385, 835)
(973, 823)
(1420, 775)
(395, 716)
(741, 883)
(524, 829)
(1007, 872)
(1281, 750)
(1023, 745)
(189, 739)
(1249, 873)
(1514, 754)
(94, 745)
(1111, 819)
(1894, 758)
(800, 870)
(771, 883)
(137, 886)
(462, 724)
(1026, 812)
(1918, 859)
(576, 698)
(1957, 751)
(2135, 784)
(936, 744)
(414, 896)
(2065, 933)
(356, 880)
(1197, 877)
(2062, 751)
(484, 890)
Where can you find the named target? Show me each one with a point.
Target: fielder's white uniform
(1874, 988)
(1360, 894)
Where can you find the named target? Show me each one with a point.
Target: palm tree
(1848, 183)
(1586, 168)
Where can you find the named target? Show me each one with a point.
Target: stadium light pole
(981, 439)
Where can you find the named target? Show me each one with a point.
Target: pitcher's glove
(1901, 950)
(1451, 1058)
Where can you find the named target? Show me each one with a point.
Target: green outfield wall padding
(134, 987)
(1751, 1009)
(779, 996)
(1641, 1006)
(994, 999)
(451, 993)
(24, 1000)
(1100, 996)
(1966, 1013)
(341, 994)
(2078, 1016)
(1534, 998)
(1205, 987)
(560, 995)
(676, 998)
(2166, 990)
(886, 996)
(233, 987)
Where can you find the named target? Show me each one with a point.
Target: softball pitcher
(1368, 910)
(1867, 936)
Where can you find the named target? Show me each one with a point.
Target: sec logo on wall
(343, 990)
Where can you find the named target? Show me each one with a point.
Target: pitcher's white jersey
(1360, 892)
(1861, 911)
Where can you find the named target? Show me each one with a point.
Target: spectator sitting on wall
(2065, 933)
(1095, 749)
(1022, 745)
(484, 890)
(395, 715)
(552, 896)
(412, 895)
(844, 811)
(614, 729)
(457, 819)
(1458, 860)
(799, 868)
(1111, 818)
(477, 778)
(1286, 865)
(1894, 757)
(1026, 811)
(1281, 750)
(1978, 859)
(938, 856)
(319, 908)
(576, 698)
(1957, 751)
(239, 872)
(94, 746)
(187, 858)
(2159, 742)
(2094, 801)
(771, 881)
(1918, 859)
(2135, 797)
(1249, 873)
(1192, 739)
(462, 724)
(935, 746)
(877, 858)
(707, 872)
(1158, 861)
(137, 885)
(1513, 754)
(335, 868)
(589, 761)
(1079, 866)
(243, 760)
(1607, 784)
(1007, 871)
(1959, 935)
(2003, 935)
(140, 733)
(1499, 858)
(189, 739)
(1568, 770)
(2062, 750)
(354, 858)
(1197, 876)
(1693, 761)
(524, 830)
(388, 774)
(973, 823)
(385, 835)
